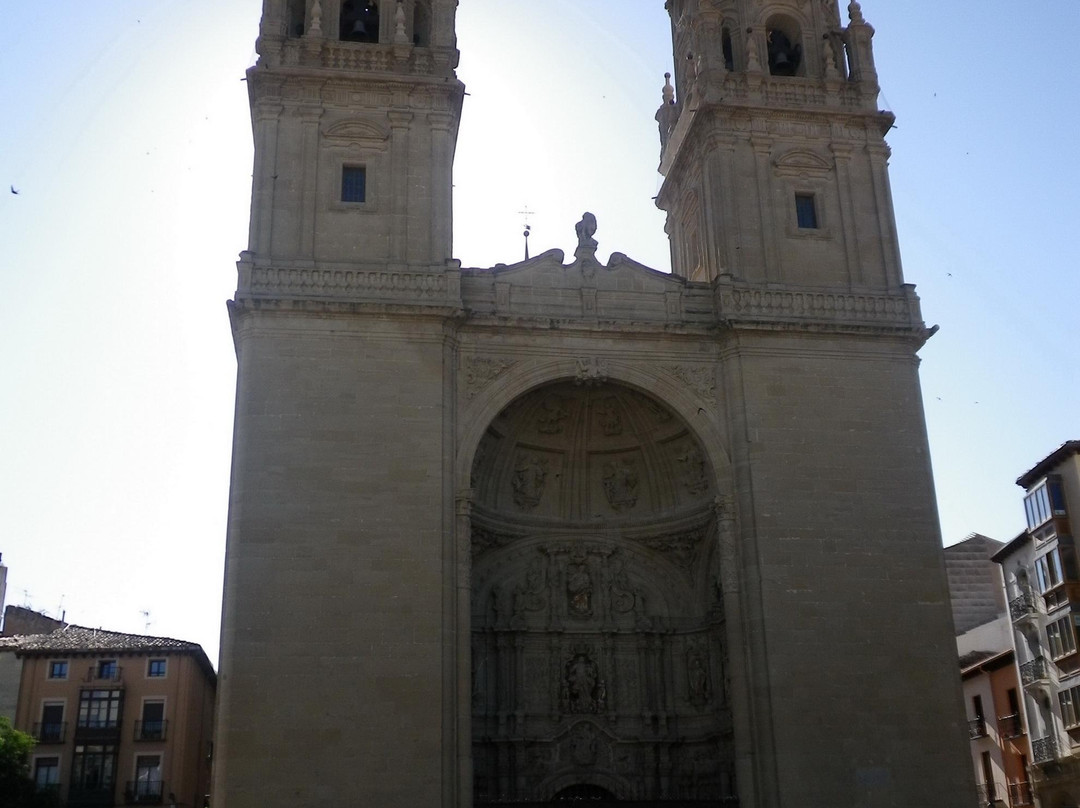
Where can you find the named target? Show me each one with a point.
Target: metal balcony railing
(150, 730)
(986, 794)
(1036, 670)
(1020, 794)
(97, 730)
(1011, 726)
(1044, 750)
(104, 674)
(977, 728)
(143, 792)
(49, 732)
(1026, 605)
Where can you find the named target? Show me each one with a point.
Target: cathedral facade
(565, 530)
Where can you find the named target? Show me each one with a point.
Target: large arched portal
(598, 650)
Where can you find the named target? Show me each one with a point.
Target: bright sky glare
(125, 131)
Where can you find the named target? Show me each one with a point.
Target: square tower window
(806, 212)
(353, 184)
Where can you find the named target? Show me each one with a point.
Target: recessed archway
(598, 642)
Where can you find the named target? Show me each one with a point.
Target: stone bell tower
(559, 530)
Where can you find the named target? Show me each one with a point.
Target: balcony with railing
(1010, 726)
(104, 673)
(1027, 606)
(977, 728)
(1037, 671)
(143, 792)
(150, 730)
(97, 730)
(1044, 750)
(49, 732)
(90, 796)
(986, 794)
(1020, 794)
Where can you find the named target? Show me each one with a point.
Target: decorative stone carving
(621, 484)
(583, 691)
(583, 745)
(700, 379)
(480, 371)
(658, 413)
(532, 595)
(579, 589)
(697, 676)
(553, 411)
(693, 471)
(591, 371)
(609, 417)
(681, 548)
(586, 229)
(530, 475)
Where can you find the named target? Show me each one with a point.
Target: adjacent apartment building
(1000, 751)
(1041, 574)
(119, 719)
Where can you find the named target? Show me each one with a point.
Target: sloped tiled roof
(79, 638)
(83, 640)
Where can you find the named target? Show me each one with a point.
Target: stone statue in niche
(530, 475)
(694, 474)
(608, 415)
(583, 691)
(697, 678)
(620, 484)
(579, 590)
(553, 411)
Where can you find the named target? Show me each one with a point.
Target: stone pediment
(621, 290)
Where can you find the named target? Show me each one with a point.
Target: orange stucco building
(118, 718)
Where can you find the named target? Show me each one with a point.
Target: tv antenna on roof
(146, 617)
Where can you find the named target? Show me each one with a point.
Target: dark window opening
(58, 669)
(806, 212)
(784, 55)
(422, 25)
(295, 18)
(725, 45)
(155, 668)
(359, 21)
(353, 184)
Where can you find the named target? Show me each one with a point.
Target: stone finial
(315, 29)
(586, 229)
(669, 91)
(753, 60)
(400, 37)
(855, 14)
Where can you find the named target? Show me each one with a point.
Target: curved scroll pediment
(800, 163)
(358, 131)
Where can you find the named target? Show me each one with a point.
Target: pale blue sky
(125, 129)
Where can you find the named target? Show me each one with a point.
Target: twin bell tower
(563, 530)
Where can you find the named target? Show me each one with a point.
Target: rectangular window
(155, 668)
(108, 669)
(806, 212)
(1037, 506)
(52, 724)
(353, 184)
(47, 773)
(152, 725)
(99, 709)
(93, 770)
(1070, 706)
(58, 669)
(1060, 637)
(1048, 570)
(147, 785)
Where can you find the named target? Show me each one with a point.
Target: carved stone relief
(608, 417)
(621, 484)
(530, 476)
(480, 371)
(553, 412)
(700, 379)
